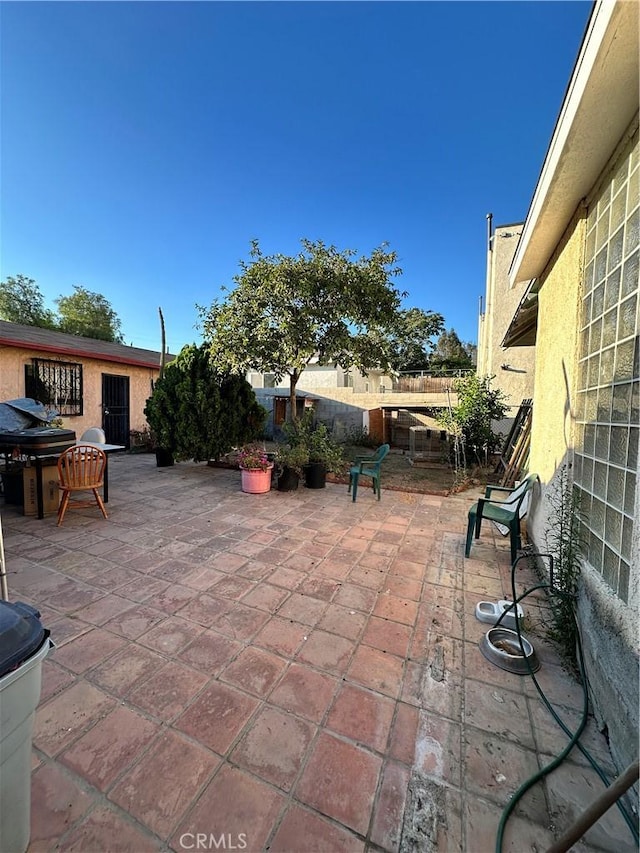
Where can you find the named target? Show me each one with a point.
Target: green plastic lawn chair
(507, 512)
(367, 466)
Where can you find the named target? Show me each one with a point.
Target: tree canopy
(89, 315)
(84, 313)
(450, 353)
(322, 304)
(199, 414)
(21, 301)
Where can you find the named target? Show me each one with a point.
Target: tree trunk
(293, 382)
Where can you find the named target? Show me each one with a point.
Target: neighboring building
(512, 369)
(579, 250)
(321, 377)
(90, 382)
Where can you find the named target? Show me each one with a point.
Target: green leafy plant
(316, 440)
(470, 421)
(563, 538)
(293, 457)
(199, 414)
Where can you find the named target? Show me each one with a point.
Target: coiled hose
(574, 736)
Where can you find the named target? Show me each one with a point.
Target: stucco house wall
(511, 367)
(19, 345)
(580, 250)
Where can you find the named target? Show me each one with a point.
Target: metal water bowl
(501, 647)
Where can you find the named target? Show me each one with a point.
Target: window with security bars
(57, 384)
(608, 392)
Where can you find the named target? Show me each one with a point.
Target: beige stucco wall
(556, 353)
(501, 302)
(12, 385)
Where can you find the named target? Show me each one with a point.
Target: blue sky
(145, 144)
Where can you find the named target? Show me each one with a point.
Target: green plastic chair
(367, 466)
(507, 512)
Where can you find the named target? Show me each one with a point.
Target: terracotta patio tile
(232, 587)
(333, 569)
(160, 788)
(171, 636)
(275, 556)
(88, 650)
(391, 637)
(498, 711)
(301, 828)
(210, 652)
(105, 830)
(494, 769)
(66, 628)
(403, 587)
(558, 689)
(397, 609)
(413, 684)
(168, 691)
(402, 745)
(236, 805)
(340, 781)
(241, 623)
(73, 597)
(327, 652)
(388, 814)
(343, 621)
(57, 801)
(204, 609)
(481, 820)
(202, 578)
(255, 671)
(217, 716)
(60, 720)
(377, 670)
(254, 569)
(265, 597)
(104, 609)
(141, 591)
(302, 608)
(101, 754)
(134, 622)
(124, 670)
(282, 636)
(408, 569)
(274, 747)
(322, 588)
(172, 598)
(54, 679)
(302, 562)
(437, 748)
(362, 716)
(228, 562)
(305, 692)
(287, 578)
(356, 597)
(374, 561)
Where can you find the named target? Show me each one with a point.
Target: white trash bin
(20, 630)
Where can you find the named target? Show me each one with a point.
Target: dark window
(57, 384)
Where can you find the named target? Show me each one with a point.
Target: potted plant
(255, 469)
(290, 461)
(325, 454)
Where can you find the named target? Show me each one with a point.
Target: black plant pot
(315, 475)
(164, 457)
(288, 480)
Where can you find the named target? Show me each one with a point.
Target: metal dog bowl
(501, 647)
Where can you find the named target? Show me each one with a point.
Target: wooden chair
(507, 512)
(368, 466)
(81, 469)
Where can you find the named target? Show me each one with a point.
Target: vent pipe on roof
(489, 230)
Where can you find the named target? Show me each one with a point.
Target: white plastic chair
(94, 434)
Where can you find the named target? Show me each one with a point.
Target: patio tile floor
(289, 671)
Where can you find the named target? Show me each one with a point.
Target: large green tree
(322, 303)
(88, 314)
(199, 414)
(450, 353)
(21, 301)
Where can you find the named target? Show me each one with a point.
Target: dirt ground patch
(400, 475)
